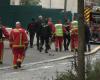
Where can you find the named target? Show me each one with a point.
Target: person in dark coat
(39, 22)
(87, 37)
(45, 34)
(31, 30)
(67, 36)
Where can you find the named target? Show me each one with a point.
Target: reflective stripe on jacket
(59, 30)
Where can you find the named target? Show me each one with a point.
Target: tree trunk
(81, 30)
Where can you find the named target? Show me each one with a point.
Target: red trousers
(1, 51)
(19, 54)
(58, 42)
(74, 42)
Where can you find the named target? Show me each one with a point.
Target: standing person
(74, 35)
(4, 32)
(50, 23)
(45, 32)
(39, 22)
(52, 27)
(67, 36)
(31, 30)
(18, 44)
(87, 37)
(59, 31)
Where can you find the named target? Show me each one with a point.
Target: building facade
(15, 2)
(54, 4)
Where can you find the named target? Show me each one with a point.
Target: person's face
(18, 25)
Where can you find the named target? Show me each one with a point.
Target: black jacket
(32, 27)
(38, 26)
(45, 31)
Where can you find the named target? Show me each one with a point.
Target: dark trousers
(66, 42)
(38, 40)
(44, 41)
(31, 39)
(88, 46)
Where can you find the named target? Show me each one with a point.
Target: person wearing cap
(59, 31)
(74, 35)
(18, 44)
(4, 32)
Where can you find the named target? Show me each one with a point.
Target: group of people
(61, 34)
(46, 33)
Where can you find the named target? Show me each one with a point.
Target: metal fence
(11, 14)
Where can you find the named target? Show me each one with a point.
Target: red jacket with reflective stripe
(18, 38)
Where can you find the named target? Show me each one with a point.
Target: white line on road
(43, 67)
(33, 69)
(36, 69)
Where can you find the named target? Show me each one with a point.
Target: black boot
(15, 67)
(56, 49)
(40, 49)
(18, 64)
(46, 51)
(1, 62)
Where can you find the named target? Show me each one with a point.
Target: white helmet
(40, 17)
(18, 22)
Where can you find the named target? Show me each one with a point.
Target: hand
(10, 45)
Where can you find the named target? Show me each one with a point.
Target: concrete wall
(72, 5)
(58, 4)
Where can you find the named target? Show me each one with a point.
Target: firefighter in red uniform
(4, 32)
(18, 43)
(59, 31)
(74, 36)
(50, 23)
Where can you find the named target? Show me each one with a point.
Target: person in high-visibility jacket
(4, 32)
(59, 31)
(74, 35)
(18, 44)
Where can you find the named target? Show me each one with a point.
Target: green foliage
(66, 76)
(92, 73)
